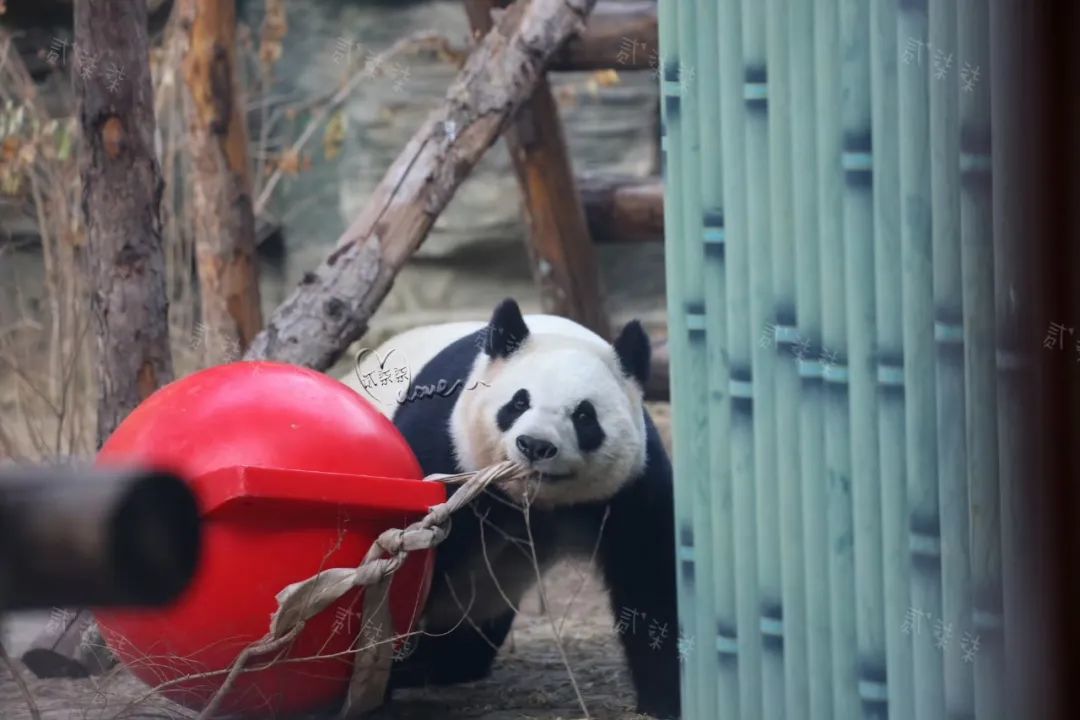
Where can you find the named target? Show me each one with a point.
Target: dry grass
(530, 679)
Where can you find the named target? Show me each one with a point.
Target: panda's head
(567, 404)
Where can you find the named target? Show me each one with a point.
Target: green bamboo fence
(844, 356)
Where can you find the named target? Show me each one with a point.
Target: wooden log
(618, 36)
(564, 261)
(224, 220)
(622, 208)
(331, 307)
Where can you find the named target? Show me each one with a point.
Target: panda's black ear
(506, 331)
(634, 352)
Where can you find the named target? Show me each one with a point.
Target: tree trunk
(224, 221)
(562, 254)
(331, 307)
(121, 193)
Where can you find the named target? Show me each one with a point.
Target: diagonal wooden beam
(563, 257)
(331, 307)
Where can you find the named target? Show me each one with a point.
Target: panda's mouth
(555, 477)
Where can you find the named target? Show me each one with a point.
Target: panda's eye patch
(590, 435)
(584, 412)
(512, 410)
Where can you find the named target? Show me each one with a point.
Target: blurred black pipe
(93, 537)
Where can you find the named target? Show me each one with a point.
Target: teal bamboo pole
(980, 386)
(858, 236)
(672, 154)
(833, 359)
(896, 559)
(732, 112)
(919, 373)
(801, 34)
(789, 501)
(726, 690)
(1013, 288)
(763, 357)
(695, 407)
(949, 335)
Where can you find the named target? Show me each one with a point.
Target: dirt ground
(530, 679)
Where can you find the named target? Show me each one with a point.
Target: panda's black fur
(636, 552)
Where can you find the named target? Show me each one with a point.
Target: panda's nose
(535, 448)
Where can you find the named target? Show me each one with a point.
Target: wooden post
(782, 237)
(747, 636)
(858, 242)
(685, 495)
(563, 258)
(808, 282)
(888, 321)
(224, 221)
(956, 607)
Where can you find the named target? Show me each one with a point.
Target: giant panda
(550, 394)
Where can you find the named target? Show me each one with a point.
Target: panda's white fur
(560, 363)
(559, 370)
(414, 348)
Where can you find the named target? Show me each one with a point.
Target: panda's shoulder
(423, 415)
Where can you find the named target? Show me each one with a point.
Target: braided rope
(300, 601)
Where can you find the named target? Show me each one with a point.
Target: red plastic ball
(294, 473)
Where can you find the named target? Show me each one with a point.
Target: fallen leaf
(606, 78)
(289, 162)
(334, 135)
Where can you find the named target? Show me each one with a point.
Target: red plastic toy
(294, 473)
